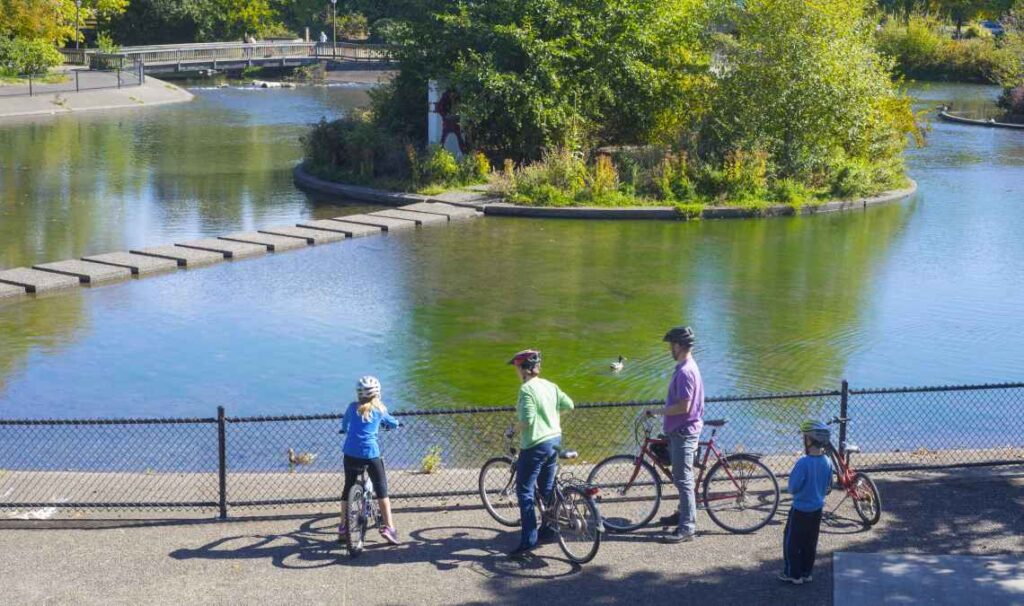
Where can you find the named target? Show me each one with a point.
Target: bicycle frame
(709, 448)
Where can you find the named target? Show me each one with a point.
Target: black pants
(800, 542)
(374, 467)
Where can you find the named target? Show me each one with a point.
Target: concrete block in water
(228, 248)
(352, 230)
(137, 264)
(385, 223)
(36, 281)
(10, 290)
(408, 215)
(86, 271)
(185, 257)
(311, 236)
(271, 242)
(436, 208)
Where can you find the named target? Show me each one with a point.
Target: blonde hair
(366, 407)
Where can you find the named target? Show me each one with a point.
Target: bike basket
(661, 453)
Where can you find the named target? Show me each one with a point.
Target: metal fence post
(30, 85)
(222, 455)
(844, 402)
(119, 77)
(78, 88)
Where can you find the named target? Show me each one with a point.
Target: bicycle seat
(716, 422)
(852, 448)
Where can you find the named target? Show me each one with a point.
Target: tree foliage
(534, 74)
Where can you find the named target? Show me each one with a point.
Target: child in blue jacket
(808, 483)
(361, 423)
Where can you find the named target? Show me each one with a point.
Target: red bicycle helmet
(528, 359)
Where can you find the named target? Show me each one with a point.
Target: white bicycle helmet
(368, 387)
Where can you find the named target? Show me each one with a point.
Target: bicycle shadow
(314, 545)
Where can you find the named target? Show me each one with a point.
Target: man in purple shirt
(684, 420)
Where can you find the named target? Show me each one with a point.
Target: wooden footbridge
(219, 56)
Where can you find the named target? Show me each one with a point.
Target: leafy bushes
(923, 51)
(355, 150)
(27, 56)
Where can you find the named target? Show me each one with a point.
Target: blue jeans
(536, 468)
(682, 447)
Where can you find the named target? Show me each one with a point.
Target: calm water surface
(927, 291)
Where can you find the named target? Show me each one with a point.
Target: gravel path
(455, 557)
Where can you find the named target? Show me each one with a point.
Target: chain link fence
(222, 464)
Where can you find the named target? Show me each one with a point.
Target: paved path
(152, 92)
(455, 557)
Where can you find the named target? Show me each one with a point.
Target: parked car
(994, 26)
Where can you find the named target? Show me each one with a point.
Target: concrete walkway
(455, 557)
(152, 92)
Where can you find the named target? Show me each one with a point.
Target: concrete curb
(945, 115)
(494, 207)
(153, 93)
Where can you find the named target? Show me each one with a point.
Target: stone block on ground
(311, 236)
(419, 218)
(137, 264)
(350, 230)
(36, 281)
(448, 210)
(271, 242)
(9, 290)
(385, 223)
(228, 248)
(86, 271)
(185, 257)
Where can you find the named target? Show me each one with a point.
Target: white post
(433, 118)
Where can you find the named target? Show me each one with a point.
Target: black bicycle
(571, 511)
(363, 513)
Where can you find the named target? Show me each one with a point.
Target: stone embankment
(151, 93)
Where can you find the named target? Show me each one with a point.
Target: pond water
(925, 291)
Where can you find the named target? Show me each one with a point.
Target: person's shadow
(314, 545)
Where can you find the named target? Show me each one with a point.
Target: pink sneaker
(390, 535)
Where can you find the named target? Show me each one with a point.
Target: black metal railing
(224, 463)
(109, 71)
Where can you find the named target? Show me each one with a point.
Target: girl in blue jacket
(361, 423)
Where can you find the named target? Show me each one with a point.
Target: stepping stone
(419, 218)
(230, 250)
(436, 208)
(35, 281)
(10, 290)
(137, 264)
(186, 257)
(385, 223)
(86, 271)
(352, 230)
(311, 236)
(271, 242)
(466, 198)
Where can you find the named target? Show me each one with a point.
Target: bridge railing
(240, 51)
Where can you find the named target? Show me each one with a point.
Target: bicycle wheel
(356, 520)
(629, 497)
(579, 526)
(498, 490)
(741, 494)
(866, 499)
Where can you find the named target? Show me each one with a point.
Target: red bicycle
(739, 492)
(857, 485)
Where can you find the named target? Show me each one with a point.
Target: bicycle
(857, 485)
(738, 486)
(363, 513)
(572, 511)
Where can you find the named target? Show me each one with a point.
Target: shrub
(922, 50)
(852, 179)
(353, 149)
(27, 56)
(790, 191)
(1012, 100)
(474, 168)
(431, 462)
(439, 167)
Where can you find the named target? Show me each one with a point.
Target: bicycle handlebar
(838, 420)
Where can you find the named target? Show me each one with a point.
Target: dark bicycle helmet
(817, 431)
(682, 335)
(528, 359)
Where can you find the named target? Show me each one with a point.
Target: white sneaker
(808, 579)
(787, 579)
